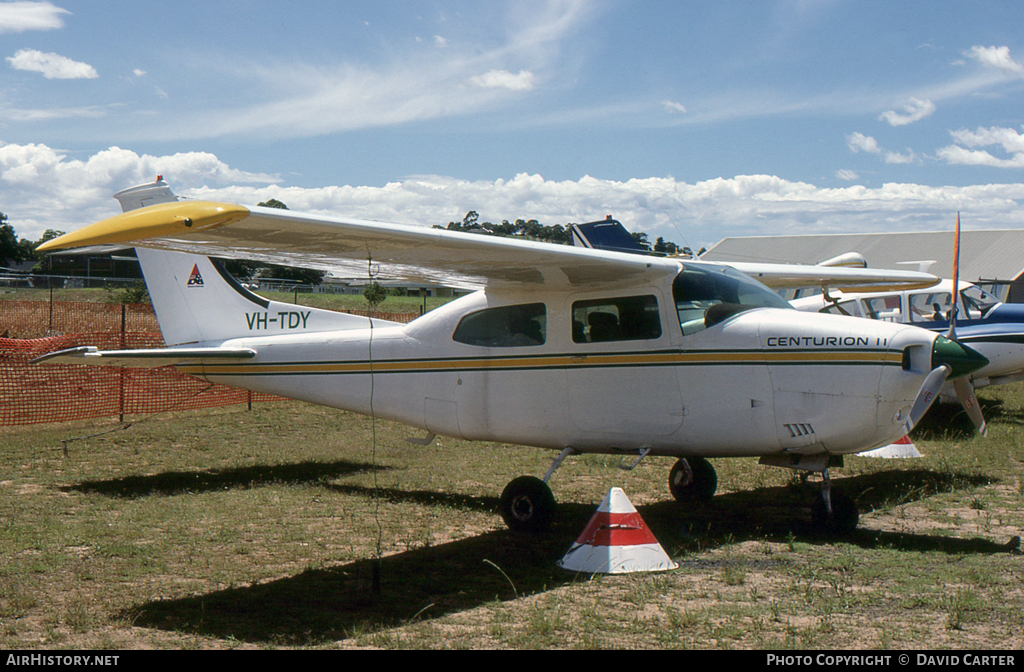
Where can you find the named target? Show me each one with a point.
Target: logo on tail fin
(195, 279)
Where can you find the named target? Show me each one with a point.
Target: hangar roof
(988, 255)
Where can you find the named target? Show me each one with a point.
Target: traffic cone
(901, 450)
(616, 541)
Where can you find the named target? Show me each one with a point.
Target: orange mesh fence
(36, 319)
(57, 392)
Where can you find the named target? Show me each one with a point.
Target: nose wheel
(692, 479)
(527, 505)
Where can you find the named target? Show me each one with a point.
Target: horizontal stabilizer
(151, 357)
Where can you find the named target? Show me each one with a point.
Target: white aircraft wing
(792, 276)
(399, 252)
(420, 254)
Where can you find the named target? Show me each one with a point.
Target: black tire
(697, 483)
(527, 505)
(843, 520)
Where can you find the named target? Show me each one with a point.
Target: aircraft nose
(961, 359)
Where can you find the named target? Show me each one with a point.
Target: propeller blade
(951, 334)
(927, 395)
(965, 393)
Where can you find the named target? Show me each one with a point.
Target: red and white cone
(901, 450)
(616, 541)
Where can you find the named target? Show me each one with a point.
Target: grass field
(229, 528)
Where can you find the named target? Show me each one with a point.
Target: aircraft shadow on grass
(320, 605)
(183, 482)
(949, 422)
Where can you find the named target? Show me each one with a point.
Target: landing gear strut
(835, 514)
(692, 479)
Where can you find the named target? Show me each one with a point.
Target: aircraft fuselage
(762, 381)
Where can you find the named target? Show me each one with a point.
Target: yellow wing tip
(151, 222)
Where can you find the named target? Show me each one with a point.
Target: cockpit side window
(623, 318)
(848, 307)
(504, 327)
(707, 295)
(886, 308)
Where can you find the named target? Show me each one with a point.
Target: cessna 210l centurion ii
(576, 350)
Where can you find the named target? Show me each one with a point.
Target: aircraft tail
(198, 301)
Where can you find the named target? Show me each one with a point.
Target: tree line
(17, 249)
(531, 229)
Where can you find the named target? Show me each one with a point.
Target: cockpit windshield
(706, 295)
(977, 302)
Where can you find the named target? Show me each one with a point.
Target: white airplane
(576, 350)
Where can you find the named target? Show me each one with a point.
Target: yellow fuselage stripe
(548, 362)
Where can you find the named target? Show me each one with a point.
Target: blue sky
(690, 120)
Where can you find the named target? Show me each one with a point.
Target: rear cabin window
(624, 318)
(504, 327)
(930, 307)
(886, 308)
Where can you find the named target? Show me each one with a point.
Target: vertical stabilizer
(197, 301)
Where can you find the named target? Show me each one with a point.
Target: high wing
(419, 254)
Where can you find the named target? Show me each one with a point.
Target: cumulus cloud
(52, 66)
(858, 142)
(44, 189)
(915, 110)
(964, 153)
(673, 107)
(503, 79)
(897, 158)
(18, 17)
(996, 57)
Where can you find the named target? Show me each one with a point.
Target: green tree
(375, 294)
(665, 247)
(273, 203)
(641, 238)
(9, 248)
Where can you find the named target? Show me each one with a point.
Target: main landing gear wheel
(527, 505)
(692, 479)
(843, 519)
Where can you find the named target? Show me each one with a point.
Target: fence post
(124, 313)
